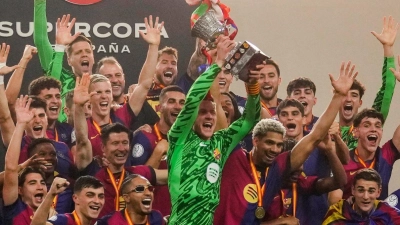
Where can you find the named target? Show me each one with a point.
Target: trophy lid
(208, 28)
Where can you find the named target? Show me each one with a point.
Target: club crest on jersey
(217, 154)
(392, 200)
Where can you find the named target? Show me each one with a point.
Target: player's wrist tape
(253, 89)
(1, 80)
(59, 48)
(2, 65)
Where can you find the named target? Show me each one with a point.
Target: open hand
(153, 30)
(81, 91)
(389, 31)
(346, 78)
(63, 33)
(4, 50)
(22, 105)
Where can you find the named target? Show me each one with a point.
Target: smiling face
(305, 96)
(293, 121)
(52, 97)
(166, 69)
(365, 193)
(116, 76)
(47, 151)
(33, 190)
(140, 202)
(89, 201)
(225, 79)
(116, 148)
(350, 106)
(267, 148)
(101, 102)
(81, 58)
(269, 82)
(369, 134)
(171, 106)
(206, 120)
(36, 128)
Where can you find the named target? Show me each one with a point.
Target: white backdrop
(310, 38)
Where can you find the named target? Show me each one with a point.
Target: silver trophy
(208, 28)
(243, 58)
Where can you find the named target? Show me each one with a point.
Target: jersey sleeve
(141, 150)
(184, 122)
(59, 219)
(126, 115)
(384, 96)
(40, 36)
(390, 153)
(241, 127)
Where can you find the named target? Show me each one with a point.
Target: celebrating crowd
(83, 150)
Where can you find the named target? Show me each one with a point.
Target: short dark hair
(300, 82)
(37, 142)
(368, 175)
(69, 99)
(357, 85)
(288, 144)
(87, 182)
(37, 103)
(127, 181)
(235, 106)
(169, 51)
(168, 89)
(369, 113)
(113, 128)
(273, 63)
(28, 170)
(41, 83)
(77, 39)
(289, 102)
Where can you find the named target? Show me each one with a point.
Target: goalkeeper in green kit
(197, 155)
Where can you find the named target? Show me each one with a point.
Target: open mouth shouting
(104, 105)
(38, 198)
(305, 104)
(222, 83)
(347, 110)
(147, 203)
(207, 125)
(85, 65)
(372, 139)
(291, 126)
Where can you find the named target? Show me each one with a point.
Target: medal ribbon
(114, 183)
(156, 86)
(128, 218)
(157, 131)
(260, 190)
(55, 134)
(265, 107)
(294, 199)
(97, 126)
(371, 166)
(76, 218)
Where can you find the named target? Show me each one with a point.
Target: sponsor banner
(112, 25)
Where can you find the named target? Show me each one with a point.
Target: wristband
(1, 80)
(59, 48)
(253, 89)
(2, 65)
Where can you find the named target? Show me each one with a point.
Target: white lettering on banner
(119, 30)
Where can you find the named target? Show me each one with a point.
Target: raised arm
(40, 217)
(222, 121)
(396, 135)
(14, 83)
(83, 154)
(339, 178)
(152, 37)
(24, 115)
(387, 38)
(305, 146)
(6, 123)
(251, 115)
(40, 36)
(198, 91)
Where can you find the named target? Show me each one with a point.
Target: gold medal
(260, 212)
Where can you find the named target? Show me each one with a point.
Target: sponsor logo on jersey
(212, 173)
(250, 193)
